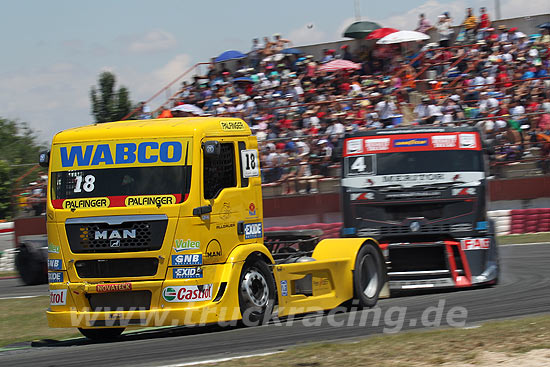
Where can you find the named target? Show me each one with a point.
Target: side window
(244, 180)
(219, 172)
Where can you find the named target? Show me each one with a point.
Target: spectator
(470, 26)
(423, 24)
(386, 110)
(444, 30)
(484, 24)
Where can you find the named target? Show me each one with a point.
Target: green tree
(18, 159)
(108, 104)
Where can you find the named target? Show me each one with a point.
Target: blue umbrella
(229, 55)
(243, 79)
(291, 51)
(544, 25)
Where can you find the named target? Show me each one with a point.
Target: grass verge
(420, 348)
(524, 238)
(25, 320)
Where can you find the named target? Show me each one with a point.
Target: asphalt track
(523, 290)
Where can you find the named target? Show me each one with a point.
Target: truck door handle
(200, 210)
(240, 227)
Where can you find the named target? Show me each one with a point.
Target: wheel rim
(369, 276)
(255, 289)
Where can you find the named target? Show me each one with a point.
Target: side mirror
(211, 149)
(44, 159)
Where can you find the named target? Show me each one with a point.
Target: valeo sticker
(182, 245)
(53, 249)
(86, 203)
(150, 200)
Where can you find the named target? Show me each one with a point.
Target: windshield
(131, 181)
(414, 162)
(429, 161)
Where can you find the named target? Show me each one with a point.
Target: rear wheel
(256, 292)
(101, 334)
(368, 277)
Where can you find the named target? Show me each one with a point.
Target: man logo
(415, 226)
(115, 243)
(213, 249)
(104, 235)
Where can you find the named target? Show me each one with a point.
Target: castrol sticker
(188, 293)
(475, 244)
(58, 297)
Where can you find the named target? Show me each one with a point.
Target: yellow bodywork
(215, 237)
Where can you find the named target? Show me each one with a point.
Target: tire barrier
(7, 258)
(515, 221)
(6, 227)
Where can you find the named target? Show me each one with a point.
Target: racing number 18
(249, 161)
(88, 185)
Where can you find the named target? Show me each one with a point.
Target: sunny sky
(55, 50)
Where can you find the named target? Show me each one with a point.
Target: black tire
(256, 292)
(30, 266)
(101, 334)
(369, 275)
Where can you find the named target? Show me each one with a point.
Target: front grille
(424, 229)
(128, 234)
(117, 268)
(120, 301)
(417, 258)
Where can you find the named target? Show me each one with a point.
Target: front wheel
(368, 277)
(256, 292)
(101, 334)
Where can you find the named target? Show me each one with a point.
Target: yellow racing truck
(159, 222)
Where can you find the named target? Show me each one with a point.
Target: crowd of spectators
(496, 79)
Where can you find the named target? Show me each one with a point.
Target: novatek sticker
(113, 287)
(467, 141)
(186, 273)
(183, 245)
(372, 145)
(188, 293)
(58, 297)
(354, 146)
(187, 260)
(252, 230)
(444, 141)
(54, 264)
(55, 277)
(475, 244)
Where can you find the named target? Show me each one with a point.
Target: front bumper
(70, 304)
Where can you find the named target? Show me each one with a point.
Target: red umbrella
(336, 65)
(380, 33)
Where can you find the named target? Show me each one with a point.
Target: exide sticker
(188, 293)
(58, 297)
(467, 141)
(354, 146)
(186, 273)
(253, 230)
(55, 277)
(475, 244)
(113, 287)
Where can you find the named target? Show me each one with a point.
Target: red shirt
(484, 23)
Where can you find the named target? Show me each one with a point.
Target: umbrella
(336, 65)
(402, 36)
(244, 79)
(360, 30)
(291, 51)
(380, 33)
(520, 35)
(544, 25)
(229, 55)
(191, 108)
